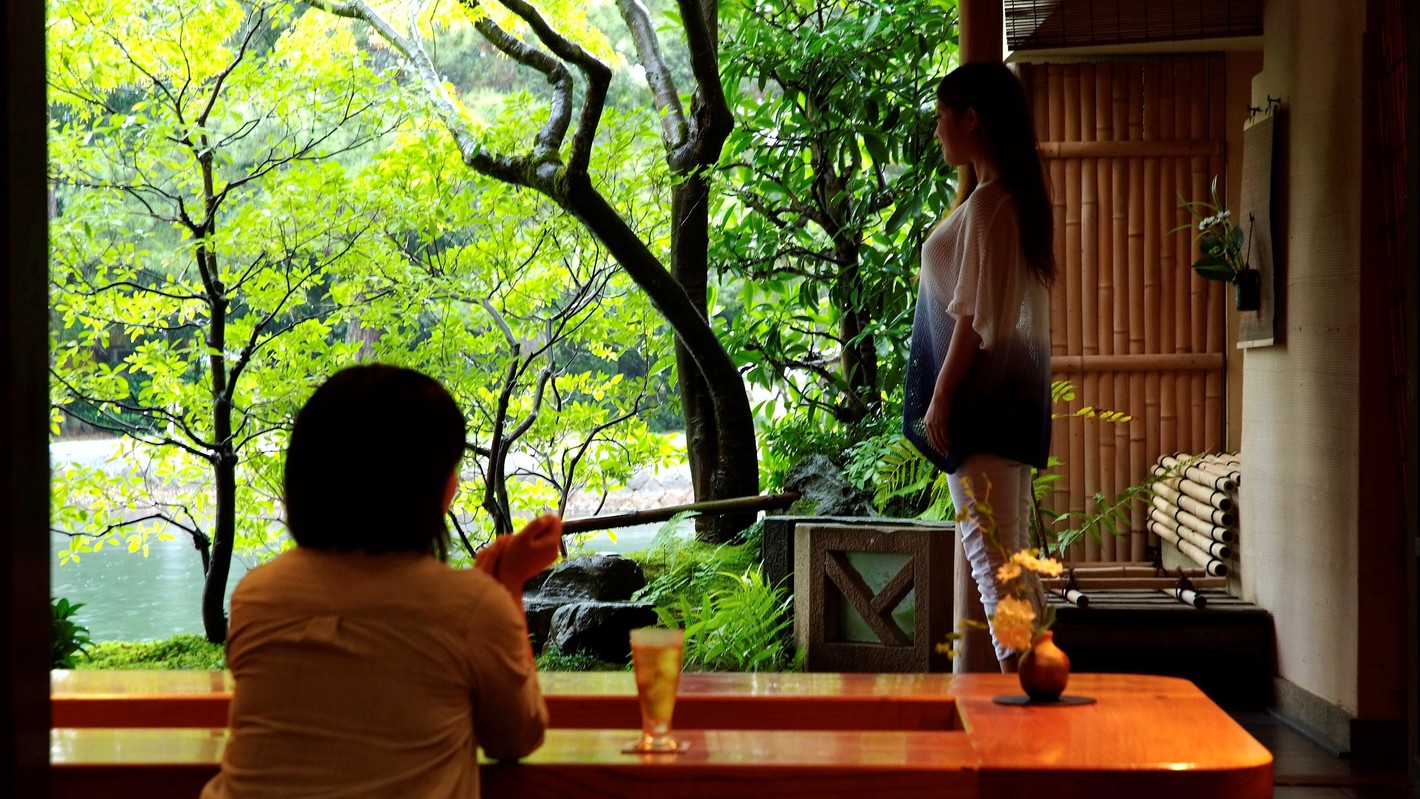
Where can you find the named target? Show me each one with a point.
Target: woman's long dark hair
(1008, 138)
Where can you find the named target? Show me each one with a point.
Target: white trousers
(1005, 486)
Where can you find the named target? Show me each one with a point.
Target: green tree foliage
(831, 181)
(554, 156)
(553, 353)
(202, 210)
(242, 207)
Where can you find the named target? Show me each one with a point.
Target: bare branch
(161, 517)
(658, 74)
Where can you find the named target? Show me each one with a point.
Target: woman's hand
(513, 559)
(936, 424)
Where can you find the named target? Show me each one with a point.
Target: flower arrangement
(1015, 621)
(1223, 246)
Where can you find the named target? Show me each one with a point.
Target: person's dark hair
(1008, 138)
(369, 461)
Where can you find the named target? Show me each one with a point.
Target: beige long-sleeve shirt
(373, 676)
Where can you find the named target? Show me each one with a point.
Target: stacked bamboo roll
(1194, 508)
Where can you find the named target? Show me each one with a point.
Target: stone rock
(601, 629)
(605, 578)
(539, 610)
(534, 583)
(823, 490)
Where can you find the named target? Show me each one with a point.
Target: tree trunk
(714, 429)
(214, 587)
(224, 458)
(224, 465)
(857, 360)
(725, 444)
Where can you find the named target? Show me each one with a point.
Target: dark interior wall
(24, 478)
(1412, 307)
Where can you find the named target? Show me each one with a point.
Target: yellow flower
(1050, 567)
(1014, 623)
(1009, 571)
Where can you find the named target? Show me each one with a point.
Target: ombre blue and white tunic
(973, 265)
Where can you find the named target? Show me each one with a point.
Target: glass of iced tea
(655, 654)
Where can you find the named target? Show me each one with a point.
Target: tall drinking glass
(656, 656)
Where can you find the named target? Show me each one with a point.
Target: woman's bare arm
(966, 342)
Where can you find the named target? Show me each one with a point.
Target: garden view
(628, 236)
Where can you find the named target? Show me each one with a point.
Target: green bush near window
(69, 639)
(187, 651)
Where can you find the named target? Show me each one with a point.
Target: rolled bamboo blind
(1132, 327)
(1194, 508)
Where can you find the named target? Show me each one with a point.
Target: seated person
(364, 665)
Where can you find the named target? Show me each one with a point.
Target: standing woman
(977, 400)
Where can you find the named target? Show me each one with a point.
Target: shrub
(554, 659)
(186, 651)
(69, 639)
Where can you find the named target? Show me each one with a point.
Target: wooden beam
(1179, 148)
(1144, 362)
(983, 29)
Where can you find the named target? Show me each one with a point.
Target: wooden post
(24, 428)
(982, 30)
(982, 24)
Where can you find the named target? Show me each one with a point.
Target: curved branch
(598, 77)
(162, 517)
(711, 113)
(548, 142)
(509, 169)
(658, 74)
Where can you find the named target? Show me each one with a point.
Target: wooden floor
(1302, 769)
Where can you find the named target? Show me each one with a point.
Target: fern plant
(741, 626)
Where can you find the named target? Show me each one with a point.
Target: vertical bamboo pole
(1119, 242)
(1067, 100)
(1050, 121)
(1197, 297)
(1087, 198)
(1194, 102)
(1187, 321)
(1162, 401)
(1100, 108)
(1216, 396)
(1171, 408)
(1145, 411)
(1045, 131)
(1069, 268)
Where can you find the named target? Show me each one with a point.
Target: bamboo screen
(1133, 329)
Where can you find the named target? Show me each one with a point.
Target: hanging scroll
(1258, 328)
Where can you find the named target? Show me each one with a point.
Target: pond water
(128, 597)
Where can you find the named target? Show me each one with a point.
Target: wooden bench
(830, 735)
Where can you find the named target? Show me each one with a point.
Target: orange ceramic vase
(1044, 669)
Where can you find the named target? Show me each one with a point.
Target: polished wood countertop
(829, 735)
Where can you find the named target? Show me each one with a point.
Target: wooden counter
(830, 735)
(1154, 737)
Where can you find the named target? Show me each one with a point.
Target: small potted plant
(1224, 249)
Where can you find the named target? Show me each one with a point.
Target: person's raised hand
(531, 550)
(487, 560)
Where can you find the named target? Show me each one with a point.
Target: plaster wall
(1242, 65)
(1300, 438)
